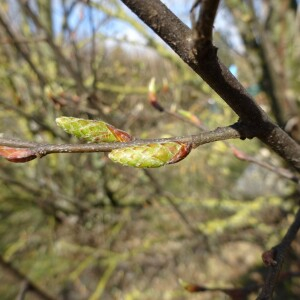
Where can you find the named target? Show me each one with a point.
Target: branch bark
(204, 24)
(39, 150)
(207, 65)
(278, 253)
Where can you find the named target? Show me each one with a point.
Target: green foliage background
(81, 227)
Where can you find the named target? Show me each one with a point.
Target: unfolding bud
(93, 131)
(152, 86)
(191, 287)
(238, 154)
(152, 96)
(17, 155)
(151, 155)
(165, 85)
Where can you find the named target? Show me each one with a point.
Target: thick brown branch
(278, 253)
(180, 38)
(204, 24)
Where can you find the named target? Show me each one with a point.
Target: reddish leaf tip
(237, 153)
(17, 155)
(122, 136)
(183, 152)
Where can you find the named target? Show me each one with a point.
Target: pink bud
(238, 154)
(184, 150)
(17, 155)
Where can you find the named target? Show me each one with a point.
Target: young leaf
(189, 116)
(17, 155)
(152, 95)
(151, 155)
(93, 131)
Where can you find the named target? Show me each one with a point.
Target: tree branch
(285, 173)
(180, 38)
(205, 22)
(277, 255)
(39, 150)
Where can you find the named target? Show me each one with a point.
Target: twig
(238, 153)
(285, 173)
(22, 50)
(39, 150)
(278, 254)
(272, 78)
(277, 170)
(23, 290)
(169, 198)
(184, 119)
(56, 50)
(23, 40)
(72, 33)
(234, 293)
(29, 284)
(29, 117)
(204, 25)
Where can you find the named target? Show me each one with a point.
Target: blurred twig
(277, 170)
(29, 117)
(23, 40)
(104, 280)
(23, 290)
(160, 190)
(234, 293)
(30, 285)
(39, 150)
(22, 50)
(278, 254)
(56, 50)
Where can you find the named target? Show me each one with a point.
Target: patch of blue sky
(119, 30)
(86, 19)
